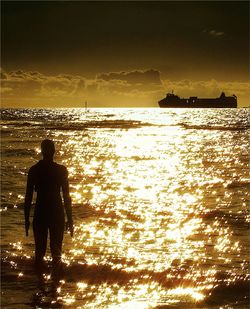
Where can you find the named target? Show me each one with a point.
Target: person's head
(48, 149)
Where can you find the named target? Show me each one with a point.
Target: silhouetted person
(48, 179)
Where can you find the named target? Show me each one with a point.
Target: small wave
(214, 127)
(89, 211)
(13, 114)
(230, 293)
(97, 273)
(225, 290)
(20, 124)
(5, 206)
(234, 220)
(77, 126)
(18, 152)
(238, 184)
(108, 115)
(137, 158)
(110, 124)
(6, 131)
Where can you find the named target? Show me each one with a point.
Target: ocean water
(160, 205)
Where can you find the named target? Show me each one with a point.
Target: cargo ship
(223, 101)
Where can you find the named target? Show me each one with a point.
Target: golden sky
(61, 54)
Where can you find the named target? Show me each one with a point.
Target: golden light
(146, 218)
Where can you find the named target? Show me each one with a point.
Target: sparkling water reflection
(160, 201)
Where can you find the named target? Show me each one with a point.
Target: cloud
(5, 90)
(119, 89)
(214, 33)
(3, 75)
(134, 77)
(136, 88)
(27, 84)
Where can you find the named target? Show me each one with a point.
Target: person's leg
(40, 230)
(56, 231)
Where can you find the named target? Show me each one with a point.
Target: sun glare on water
(142, 202)
(147, 195)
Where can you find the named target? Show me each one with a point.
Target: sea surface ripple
(160, 205)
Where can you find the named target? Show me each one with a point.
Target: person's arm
(67, 203)
(28, 201)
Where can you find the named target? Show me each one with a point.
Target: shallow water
(160, 204)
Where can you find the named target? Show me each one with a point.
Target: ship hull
(198, 103)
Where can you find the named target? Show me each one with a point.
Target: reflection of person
(47, 178)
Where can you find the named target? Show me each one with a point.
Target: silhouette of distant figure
(48, 178)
